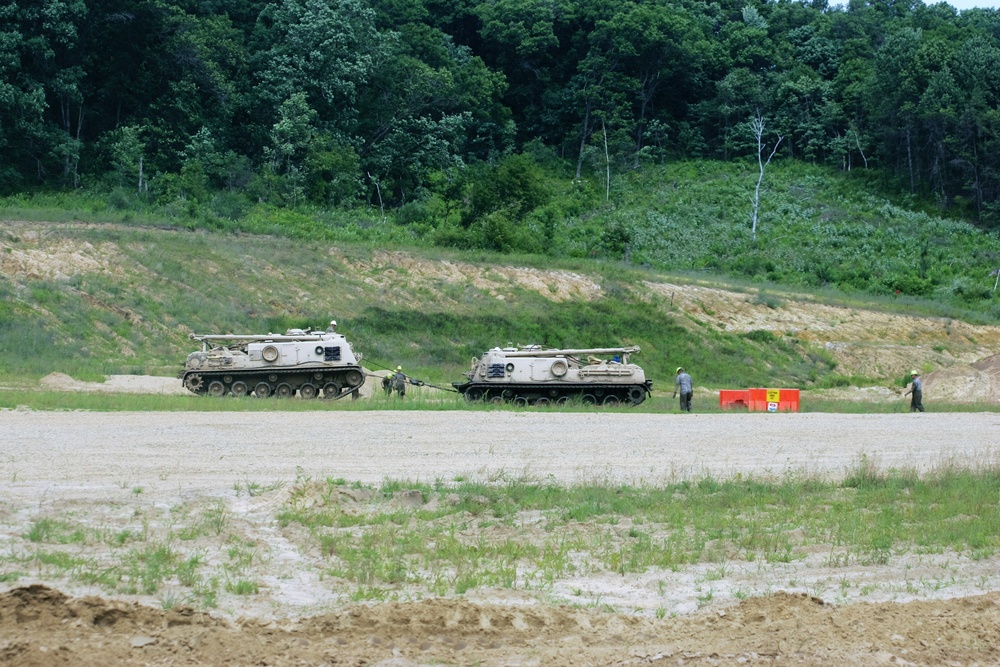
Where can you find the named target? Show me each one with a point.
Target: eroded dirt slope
(44, 627)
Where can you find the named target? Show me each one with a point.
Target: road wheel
(262, 390)
(284, 390)
(542, 402)
(216, 388)
(520, 401)
(588, 399)
(612, 401)
(562, 400)
(496, 400)
(636, 395)
(307, 391)
(331, 390)
(193, 382)
(239, 388)
(474, 395)
(355, 378)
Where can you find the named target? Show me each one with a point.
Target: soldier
(917, 390)
(399, 380)
(387, 383)
(333, 326)
(684, 386)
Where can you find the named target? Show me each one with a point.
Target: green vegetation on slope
(135, 317)
(818, 228)
(164, 275)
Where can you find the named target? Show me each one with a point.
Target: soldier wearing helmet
(684, 385)
(917, 391)
(399, 381)
(387, 385)
(333, 326)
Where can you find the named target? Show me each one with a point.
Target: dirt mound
(978, 382)
(41, 626)
(966, 383)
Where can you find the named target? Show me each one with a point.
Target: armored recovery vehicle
(306, 363)
(533, 375)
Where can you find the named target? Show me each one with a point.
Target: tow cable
(413, 381)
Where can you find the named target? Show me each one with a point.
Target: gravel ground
(105, 469)
(211, 451)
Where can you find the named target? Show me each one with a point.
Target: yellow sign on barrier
(773, 395)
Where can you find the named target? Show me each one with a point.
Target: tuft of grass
(252, 489)
(242, 587)
(54, 531)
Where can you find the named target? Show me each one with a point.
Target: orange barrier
(734, 398)
(774, 400)
(760, 400)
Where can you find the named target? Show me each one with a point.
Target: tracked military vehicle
(299, 362)
(533, 375)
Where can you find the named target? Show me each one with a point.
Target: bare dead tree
(857, 140)
(757, 127)
(378, 190)
(607, 162)
(995, 272)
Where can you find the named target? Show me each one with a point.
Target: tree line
(336, 103)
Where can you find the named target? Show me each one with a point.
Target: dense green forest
(503, 124)
(340, 101)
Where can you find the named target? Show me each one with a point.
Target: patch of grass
(403, 539)
(253, 489)
(54, 531)
(868, 519)
(242, 587)
(144, 570)
(212, 520)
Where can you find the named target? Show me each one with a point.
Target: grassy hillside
(89, 300)
(98, 290)
(818, 228)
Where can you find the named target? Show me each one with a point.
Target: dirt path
(205, 450)
(96, 464)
